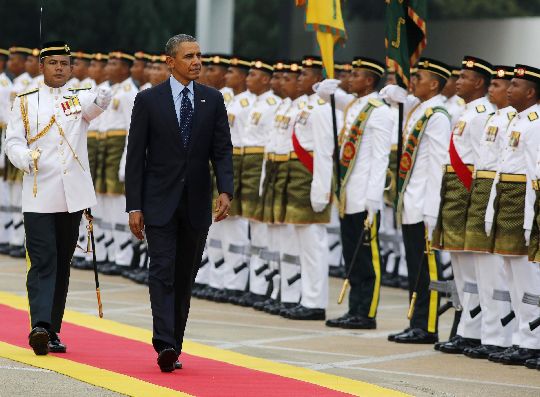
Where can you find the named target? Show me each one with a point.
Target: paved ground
(361, 355)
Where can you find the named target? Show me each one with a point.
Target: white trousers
(17, 228)
(290, 270)
(235, 245)
(465, 278)
(216, 259)
(524, 277)
(314, 253)
(492, 283)
(5, 212)
(264, 254)
(334, 239)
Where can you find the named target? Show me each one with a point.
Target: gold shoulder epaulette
(532, 116)
(375, 102)
(461, 101)
(83, 88)
(301, 105)
(429, 112)
(28, 92)
(3, 82)
(480, 109)
(244, 102)
(321, 101)
(271, 100)
(511, 115)
(227, 97)
(127, 87)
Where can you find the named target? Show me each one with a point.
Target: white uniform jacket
(63, 179)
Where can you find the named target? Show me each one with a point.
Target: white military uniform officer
(5, 105)
(46, 139)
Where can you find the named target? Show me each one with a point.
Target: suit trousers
(175, 251)
(50, 243)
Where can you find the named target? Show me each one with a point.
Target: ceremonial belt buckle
(513, 178)
(254, 150)
(238, 151)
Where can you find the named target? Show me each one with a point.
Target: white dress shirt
(260, 119)
(494, 139)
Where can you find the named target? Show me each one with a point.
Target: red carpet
(200, 376)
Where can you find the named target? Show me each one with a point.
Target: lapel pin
(203, 100)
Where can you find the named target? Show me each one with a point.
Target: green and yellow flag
(405, 36)
(324, 17)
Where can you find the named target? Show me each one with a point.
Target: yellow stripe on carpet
(92, 375)
(329, 381)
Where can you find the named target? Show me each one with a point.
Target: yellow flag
(324, 17)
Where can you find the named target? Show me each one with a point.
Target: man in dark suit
(177, 129)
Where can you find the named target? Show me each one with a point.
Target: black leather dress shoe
(248, 300)
(207, 292)
(167, 360)
(417, 336)
(111, 269)
(284, 307)
(482, 351)
(39, 341)
(305, 313)
(261, 305)
(349, 321)
(221, 296)
(55, 344)
(275, 307)
(533, 363)
(392, 337)
(336, 271)
(17, 252)
(496, 357)
(458, 345)
(438, 345)
(519, 356)
(234, 296)
(177, 365)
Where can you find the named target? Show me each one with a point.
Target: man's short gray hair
(171, 48)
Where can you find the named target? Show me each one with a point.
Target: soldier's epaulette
(28, 92)
(375, 102)
(480, 109)
(127, 87)
(244, 102)
(301, 105)
(429, 112)
(227, 97)
(461, 101)
(321, 101)
(76, 89)
(532, 116)
(271, 101)
(511, 115)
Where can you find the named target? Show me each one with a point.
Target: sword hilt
(100, 306)
(411, 306)
(346, 284)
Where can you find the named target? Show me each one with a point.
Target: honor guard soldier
(160, 71)
(5, 106)
(215, 68)
(279, 269)
(364, 155)
(255, 138)
(426, 137)
(96, 72)
(46, 139)
(510, 213)
(140, 70)
(31, 66)
(21, 83)
(465, 142)
(308, 191)
(234, 228)
(454, 104)
(110, 176)
(493, 287)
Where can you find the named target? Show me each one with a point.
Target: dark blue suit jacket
(159, 168)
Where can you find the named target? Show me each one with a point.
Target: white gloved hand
(32, 155)
(430, 222)
(488, 227)
(122, 174)
(527, 236)
(103, 97)
(371, 207)
(393, 94)
(318, 207)
(326, 88)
